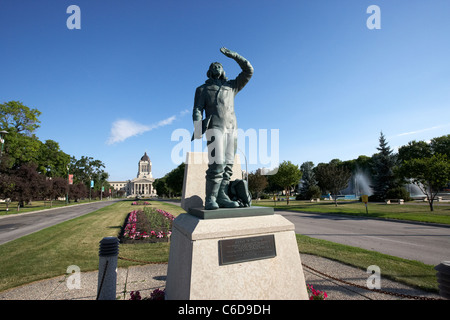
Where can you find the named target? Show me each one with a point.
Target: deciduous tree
(257, 183)
(429, 174)
(16, 117)
(174, 179)
(332, 177)
(287, 176)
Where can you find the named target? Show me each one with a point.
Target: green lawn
(49, 252)
(36, 205)
(408, 211)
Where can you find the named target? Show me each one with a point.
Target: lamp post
(2, 141)
(67, 191)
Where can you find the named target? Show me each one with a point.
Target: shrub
(312, 192)
(398, 193)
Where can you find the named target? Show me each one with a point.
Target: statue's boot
(212, 189)
(222, 198)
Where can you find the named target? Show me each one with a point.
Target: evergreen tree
(383, 164)
(308, 181)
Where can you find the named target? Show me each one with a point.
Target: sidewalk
(149, 277)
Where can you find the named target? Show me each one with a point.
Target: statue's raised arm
(247, 69)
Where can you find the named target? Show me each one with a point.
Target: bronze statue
(216, 98)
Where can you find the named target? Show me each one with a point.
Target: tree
(257, 183)
(23, 146)
(78, 191)
(383, 168)
(55, 188)
(161, 187)
(28, 184)
(86, 169)
(414, 150)
(174, 179)
(429, 174)
(421, 149)
(308, 188)
(441, 145)
(287, 176)
(15, 117)
(272, 186)
(51, 160)
(21, 149)
(332, 177)
(7, 186)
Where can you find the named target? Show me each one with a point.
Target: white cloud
(418, 131)
(123, 129)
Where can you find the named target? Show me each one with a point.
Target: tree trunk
(430, 202)
(287, 196)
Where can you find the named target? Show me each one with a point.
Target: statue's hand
(228, 53)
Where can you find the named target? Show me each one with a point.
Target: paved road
(429, 244)
(19, 225)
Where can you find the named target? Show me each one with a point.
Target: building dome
(145, 157)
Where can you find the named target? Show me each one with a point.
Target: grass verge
(409, 272)
(49, 252)
(419, 212)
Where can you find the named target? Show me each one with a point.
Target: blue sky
(323, 79)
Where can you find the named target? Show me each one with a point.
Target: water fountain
(414, 191)
(361, 183)
(358, 185)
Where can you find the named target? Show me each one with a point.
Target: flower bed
(148, 225)
(139, 203)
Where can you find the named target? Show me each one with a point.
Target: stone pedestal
(245, 257)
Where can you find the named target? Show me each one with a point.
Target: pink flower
(315, 294)
(135, 295)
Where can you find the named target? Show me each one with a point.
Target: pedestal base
(230, 213)
(253, 258)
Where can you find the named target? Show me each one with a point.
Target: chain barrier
(400, 295)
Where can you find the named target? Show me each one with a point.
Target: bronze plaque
(246, 249)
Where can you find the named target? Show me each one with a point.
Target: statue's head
(216, 71)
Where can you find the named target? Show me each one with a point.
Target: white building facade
(142, 185)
